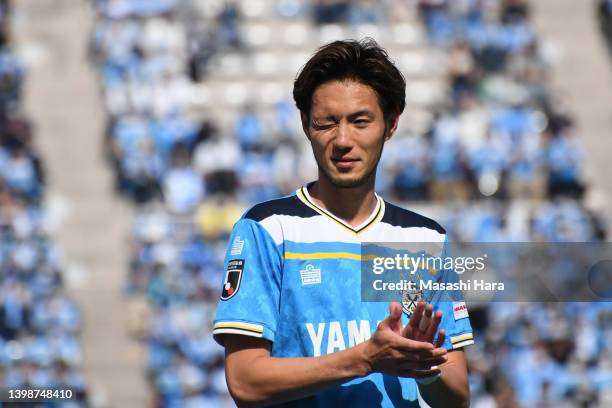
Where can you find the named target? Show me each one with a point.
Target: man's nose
(343, 137)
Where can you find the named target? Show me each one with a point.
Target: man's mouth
(344, 162)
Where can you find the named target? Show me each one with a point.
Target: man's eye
(361, 122)
(322, 125)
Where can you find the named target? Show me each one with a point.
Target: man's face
(347, 131)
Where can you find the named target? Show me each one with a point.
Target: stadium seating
(39, 322)
(202, 125)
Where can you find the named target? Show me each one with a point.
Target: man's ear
(305, 124)
(393, 127)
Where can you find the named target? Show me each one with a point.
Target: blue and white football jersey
(293, 277)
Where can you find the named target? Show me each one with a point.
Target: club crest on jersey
(233, 276)
(410, 298)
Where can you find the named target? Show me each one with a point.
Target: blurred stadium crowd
(39, 323)
(201, 125)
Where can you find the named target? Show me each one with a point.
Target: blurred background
(134, 133)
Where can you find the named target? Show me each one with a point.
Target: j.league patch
(231, 284)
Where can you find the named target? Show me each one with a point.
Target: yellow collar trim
(376, 215)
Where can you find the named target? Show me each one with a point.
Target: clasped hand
(408, 351)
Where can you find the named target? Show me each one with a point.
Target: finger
(433, 353)
(426, 319)
(393, 316)
(415, 319)
(433, 326)
(440, 351)
(393, 321)
(441, 338)
(412, 327)
(410, 332)
(395, 311)
(411, 353)
(413, 346)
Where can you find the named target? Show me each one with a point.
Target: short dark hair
(362, 61)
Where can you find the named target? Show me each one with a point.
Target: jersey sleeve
(249, 302)
(455, 317)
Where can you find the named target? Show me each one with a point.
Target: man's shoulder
(400, 217)
(289, 205)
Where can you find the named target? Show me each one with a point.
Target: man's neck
(353, 205)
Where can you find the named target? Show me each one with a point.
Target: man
(295, 330)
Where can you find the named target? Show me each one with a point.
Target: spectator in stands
(228, 33)
(14, 312)
(564, 156)
(11, 77)
(462, 70)
(411, 170)
(604, 14)
(142, 169)
(525, 173)
(528, 67)
(366, 12)
(202, 48)
(488, 162)
(448, 179)
(182, 187)
(20, 174)
(331, 11)
(249, 131)
(514, 10)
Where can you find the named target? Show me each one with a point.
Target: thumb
(393, 321)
